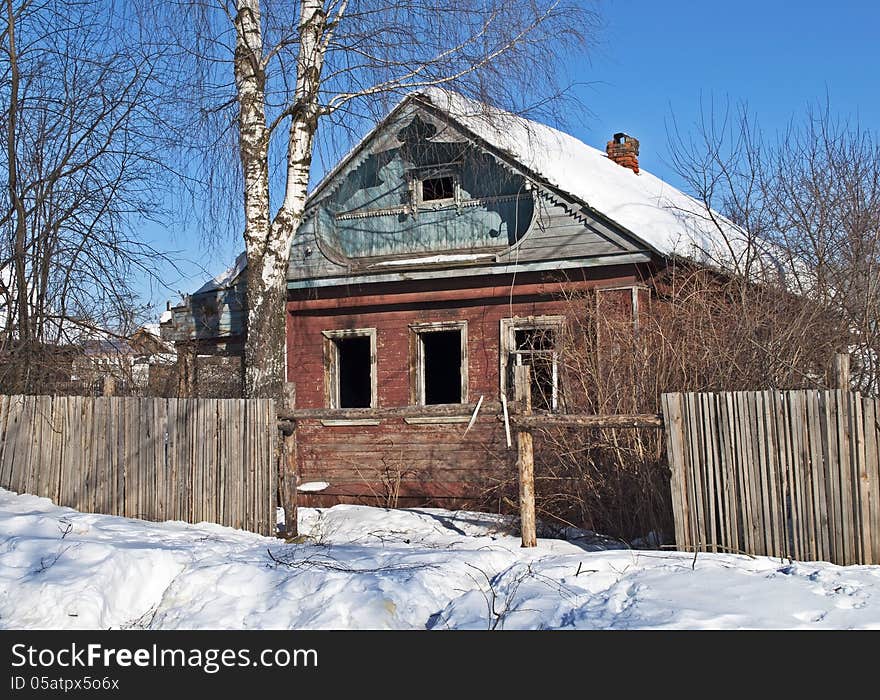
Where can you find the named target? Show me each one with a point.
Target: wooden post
(287, 469)
(186, 371)
(109, 385)
(525, 457)
(841, 371)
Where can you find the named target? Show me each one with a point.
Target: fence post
(522, 383)
(287, 469)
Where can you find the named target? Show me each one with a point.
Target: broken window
(435, 188)
(351, 368)
(534, 342)
(440, 363)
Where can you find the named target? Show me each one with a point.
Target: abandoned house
(432, 259)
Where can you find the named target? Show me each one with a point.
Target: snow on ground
(372, 568)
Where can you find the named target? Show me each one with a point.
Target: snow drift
(369, 568)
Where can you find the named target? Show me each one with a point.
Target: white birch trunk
(267, 244)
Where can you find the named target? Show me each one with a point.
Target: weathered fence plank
(674, 451)
(789, 474)
(156, 459)
(872, 467)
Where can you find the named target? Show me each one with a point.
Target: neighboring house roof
(226, 278)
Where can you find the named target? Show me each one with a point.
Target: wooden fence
(789, 474)
(156, 459)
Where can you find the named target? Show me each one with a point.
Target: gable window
(533, 341)
(434, 188)
(350, 361)
(439, 363)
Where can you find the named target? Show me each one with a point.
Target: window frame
(417, 359)
(419, 179)
(331, 366)
(507, 347)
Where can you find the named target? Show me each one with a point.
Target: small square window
(350, 358)
(435, 188)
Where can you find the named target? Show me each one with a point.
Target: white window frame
(507, 347)
(331, 364)
(417, 358)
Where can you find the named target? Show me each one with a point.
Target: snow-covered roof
(227, 278)
(665, 218)
(152, 329)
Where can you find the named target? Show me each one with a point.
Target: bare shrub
(695, 330)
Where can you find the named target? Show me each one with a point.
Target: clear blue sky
(658, 57)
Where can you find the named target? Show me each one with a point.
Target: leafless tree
(813, 194)
(81, 177)
(269, 72)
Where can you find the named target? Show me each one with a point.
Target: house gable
(371, 219)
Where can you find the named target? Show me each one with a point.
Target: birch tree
(298, 64)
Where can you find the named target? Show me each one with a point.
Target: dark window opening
(535, 347)
(437, 188)
(442, 366)
(353, 356)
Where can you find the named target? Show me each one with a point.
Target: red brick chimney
(624, 150)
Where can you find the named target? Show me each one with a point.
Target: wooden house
(432, 259)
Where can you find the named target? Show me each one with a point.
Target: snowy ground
(372, 568)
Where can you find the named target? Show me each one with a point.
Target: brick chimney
(624, 150)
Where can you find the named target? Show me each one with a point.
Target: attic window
(435, 188)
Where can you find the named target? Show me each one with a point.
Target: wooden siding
(562, 232)
(396, 463)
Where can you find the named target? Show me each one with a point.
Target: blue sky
(659, 58)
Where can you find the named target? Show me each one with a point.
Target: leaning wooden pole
(522, 383)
